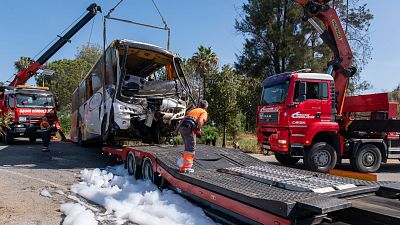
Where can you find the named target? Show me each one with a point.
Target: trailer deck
(237, 184)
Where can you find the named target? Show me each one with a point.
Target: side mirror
(302, 91)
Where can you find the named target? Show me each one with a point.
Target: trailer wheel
(147, 170)
(131, 164)
(321, 157)
(286, 159)
(367, 159)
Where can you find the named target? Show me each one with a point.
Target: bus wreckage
(139, 93)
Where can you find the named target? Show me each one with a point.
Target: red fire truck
(26, 105)
(307, 115)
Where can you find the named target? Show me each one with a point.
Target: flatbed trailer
(235, 188)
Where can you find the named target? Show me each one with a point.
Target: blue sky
(28, 26)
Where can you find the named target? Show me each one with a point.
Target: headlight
(22, 119)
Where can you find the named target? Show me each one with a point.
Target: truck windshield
(275, 94)
(35, 101)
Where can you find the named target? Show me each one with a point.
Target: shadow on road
(63, 155)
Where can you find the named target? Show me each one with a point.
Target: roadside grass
(247, 142)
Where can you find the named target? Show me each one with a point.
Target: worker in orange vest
(46, 133)
(189, 127)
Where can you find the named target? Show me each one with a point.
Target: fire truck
(308, 115)
(26, 105)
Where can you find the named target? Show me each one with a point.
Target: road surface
(25, 171)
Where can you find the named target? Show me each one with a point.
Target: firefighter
(46, 134)
(189, 127)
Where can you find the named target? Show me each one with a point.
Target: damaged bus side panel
(142, 95)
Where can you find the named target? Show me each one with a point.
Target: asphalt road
(25, 171)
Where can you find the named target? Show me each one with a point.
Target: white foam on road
(137, 201)
(76, 214)
(45, 193)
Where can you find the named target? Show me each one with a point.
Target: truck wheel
(286, 159)
(367, 159)
(131, 164)
(8, 138)
(147, 170)
(32, 139)
(321, 157)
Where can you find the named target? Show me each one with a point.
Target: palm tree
(23, 63)
(204, 60)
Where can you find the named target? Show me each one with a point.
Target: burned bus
(139, 93)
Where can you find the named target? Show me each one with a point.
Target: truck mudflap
(239, 185)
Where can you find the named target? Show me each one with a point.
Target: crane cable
(159, 13)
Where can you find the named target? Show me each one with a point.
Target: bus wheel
(131, 164)
(32, 139)
(80, 138)
(147, 170)
(321, 157)
(286, 159)
(367, 159)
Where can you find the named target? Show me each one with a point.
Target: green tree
(89, 53)
(67, 76)
(22, 63)
(223, 88)
(277, 40)
(204, 61)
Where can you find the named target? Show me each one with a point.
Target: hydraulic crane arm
(27, 73)
(335, 37)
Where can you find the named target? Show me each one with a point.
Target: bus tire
(286, 159)
(131, 164)
(321, 157)
(367, 159)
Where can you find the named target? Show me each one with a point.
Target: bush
(65, 120)
(4, 123)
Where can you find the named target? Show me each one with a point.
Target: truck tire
(147, 170)
(286, 159)
(8, 138)
(131, 164)
(321, 157)
(367, 159)
(32, 140)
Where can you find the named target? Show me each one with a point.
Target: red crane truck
(26, 105)
(307, 115)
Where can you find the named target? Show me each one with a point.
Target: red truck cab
(297, 119)
(26, 106)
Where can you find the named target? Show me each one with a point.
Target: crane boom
(27, 73)
(335, 37)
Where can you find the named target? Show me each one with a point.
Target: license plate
(267, 147)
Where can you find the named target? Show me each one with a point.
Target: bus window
(89, 87)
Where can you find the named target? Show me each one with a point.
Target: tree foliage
(89, 53)
(69, 73)
(22, 63)
(223, 89)
(203, 62)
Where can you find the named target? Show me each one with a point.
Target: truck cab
(293, 108)
(26, 106)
